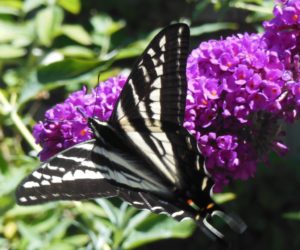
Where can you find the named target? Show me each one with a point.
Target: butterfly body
(143, 154)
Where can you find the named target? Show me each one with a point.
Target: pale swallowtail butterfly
(142, 155)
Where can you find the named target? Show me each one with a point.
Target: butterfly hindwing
(69, 175)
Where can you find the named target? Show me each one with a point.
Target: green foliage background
(49, 48)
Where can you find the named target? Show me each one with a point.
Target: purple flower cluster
(239, 89)
(282, 35)
(66, 123)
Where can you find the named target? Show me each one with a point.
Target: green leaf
(66, 69)
(77, 240)
(110, 210)
(292, 215)
(9, 182)
(91, 208)
(105, 25)
(157, 228)
(72, 6)
(8, 31)
(3, 164)
(77, 51)
(59, 231)
(59, 245)
(11, 52)
(136, 221)
(45, 225)
(12, 7)
(18, 211)
(265, 8)
(212, 27)
(33, 237)
(48, 23)
(77, 33)
(30, 5)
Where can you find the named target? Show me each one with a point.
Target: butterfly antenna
(81, 111)
(97, 89)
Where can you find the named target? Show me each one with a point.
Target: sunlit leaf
(48, 223)
(265, 8)
(48, 23)
(77, 33)
(110, 210)
(77, 240)
(72, 6)
(59, 231)
(91, 208)
(11, 7)
(8, 31)
(19, 211)
(77, 51)
(10, 52)
(30, 5)
(10, 229)
(105, 25)
(60, 245)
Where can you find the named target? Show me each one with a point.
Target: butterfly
(143, 154)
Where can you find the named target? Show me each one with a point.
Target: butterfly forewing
(155, 91)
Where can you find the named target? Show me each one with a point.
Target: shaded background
(51, 48)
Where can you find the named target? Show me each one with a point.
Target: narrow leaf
(66, 69)
(77, 33)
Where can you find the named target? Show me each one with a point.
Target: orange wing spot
(190, 202)
(210, 205)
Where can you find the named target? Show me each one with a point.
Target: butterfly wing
(155, 91)
(69, 175)
(151, 107)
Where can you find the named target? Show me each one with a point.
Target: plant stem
(8, 109)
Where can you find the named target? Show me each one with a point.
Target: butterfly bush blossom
(239, 89)
(66, 123)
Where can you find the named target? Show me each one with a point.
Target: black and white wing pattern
(69, 175)
(156, 88)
